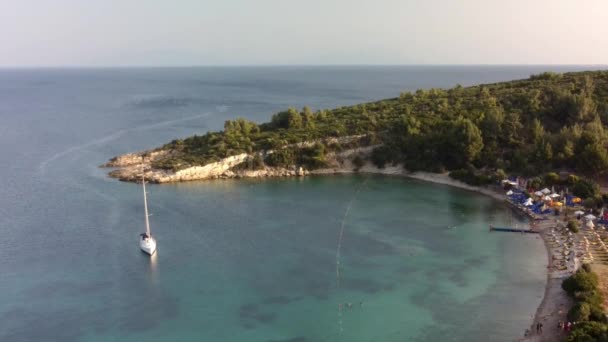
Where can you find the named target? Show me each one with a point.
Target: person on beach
(541, 328)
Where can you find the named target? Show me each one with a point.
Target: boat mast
(143, 184)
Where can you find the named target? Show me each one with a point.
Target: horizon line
(171, 66)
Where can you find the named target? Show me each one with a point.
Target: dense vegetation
(549, 121)
(586, 311)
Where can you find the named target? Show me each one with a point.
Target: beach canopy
(509, 193)
(545, 191)
(512, 183)
(538, 193)
(590, 217)
(554, 195)
(547, 198)
(579, 212)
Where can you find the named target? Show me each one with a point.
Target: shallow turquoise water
(238, 260)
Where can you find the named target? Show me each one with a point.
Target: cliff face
(136, 159)
(130, 167)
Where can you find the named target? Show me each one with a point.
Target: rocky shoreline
(129, 168)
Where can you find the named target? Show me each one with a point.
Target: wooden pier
(512, 230)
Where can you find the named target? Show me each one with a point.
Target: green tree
(581, 281)
(586, 188)
(463, 143)
(580, 312)
(538, 132)
(492, 124)
(308, 118)
(294, 119)
(593, 159)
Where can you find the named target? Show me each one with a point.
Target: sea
(241, 260)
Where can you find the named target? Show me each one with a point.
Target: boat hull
(148, 246)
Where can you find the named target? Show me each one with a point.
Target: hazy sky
(245, 32)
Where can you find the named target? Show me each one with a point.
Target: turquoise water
(239, 260)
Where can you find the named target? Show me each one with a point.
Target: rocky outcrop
(265, 172)
(137, 158)
(129, 170)
(129, 167)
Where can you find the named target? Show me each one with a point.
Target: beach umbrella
(545, 191)
(528, 202)
(554, 195)
(547, 198)
(590, 217)
(579, 212)
(509, 193)
(538, 193)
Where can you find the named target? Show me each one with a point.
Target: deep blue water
(238, 261)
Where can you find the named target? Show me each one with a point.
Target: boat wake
(100, 141)
(339, 247)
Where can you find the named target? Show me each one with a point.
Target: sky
(310, 32)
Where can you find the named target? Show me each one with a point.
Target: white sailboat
(147, 243)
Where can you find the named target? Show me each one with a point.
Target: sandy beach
(555, 304)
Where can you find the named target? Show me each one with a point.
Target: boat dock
(512, 230)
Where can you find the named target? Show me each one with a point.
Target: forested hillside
(549, 121)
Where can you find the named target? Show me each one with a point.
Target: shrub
(590, 203)
(588, 331)
(593, 298)
(586, 188)
(312, 157)
(535, 183)
(464, 175)
(499, 175)
(579, 312)
(573, 226)
(572, 179)
(254, 162)
(282, 157)
(581, 281)
(551, 178)
(597, 314)
(358, 161)
(257, 162)
(382, 155)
